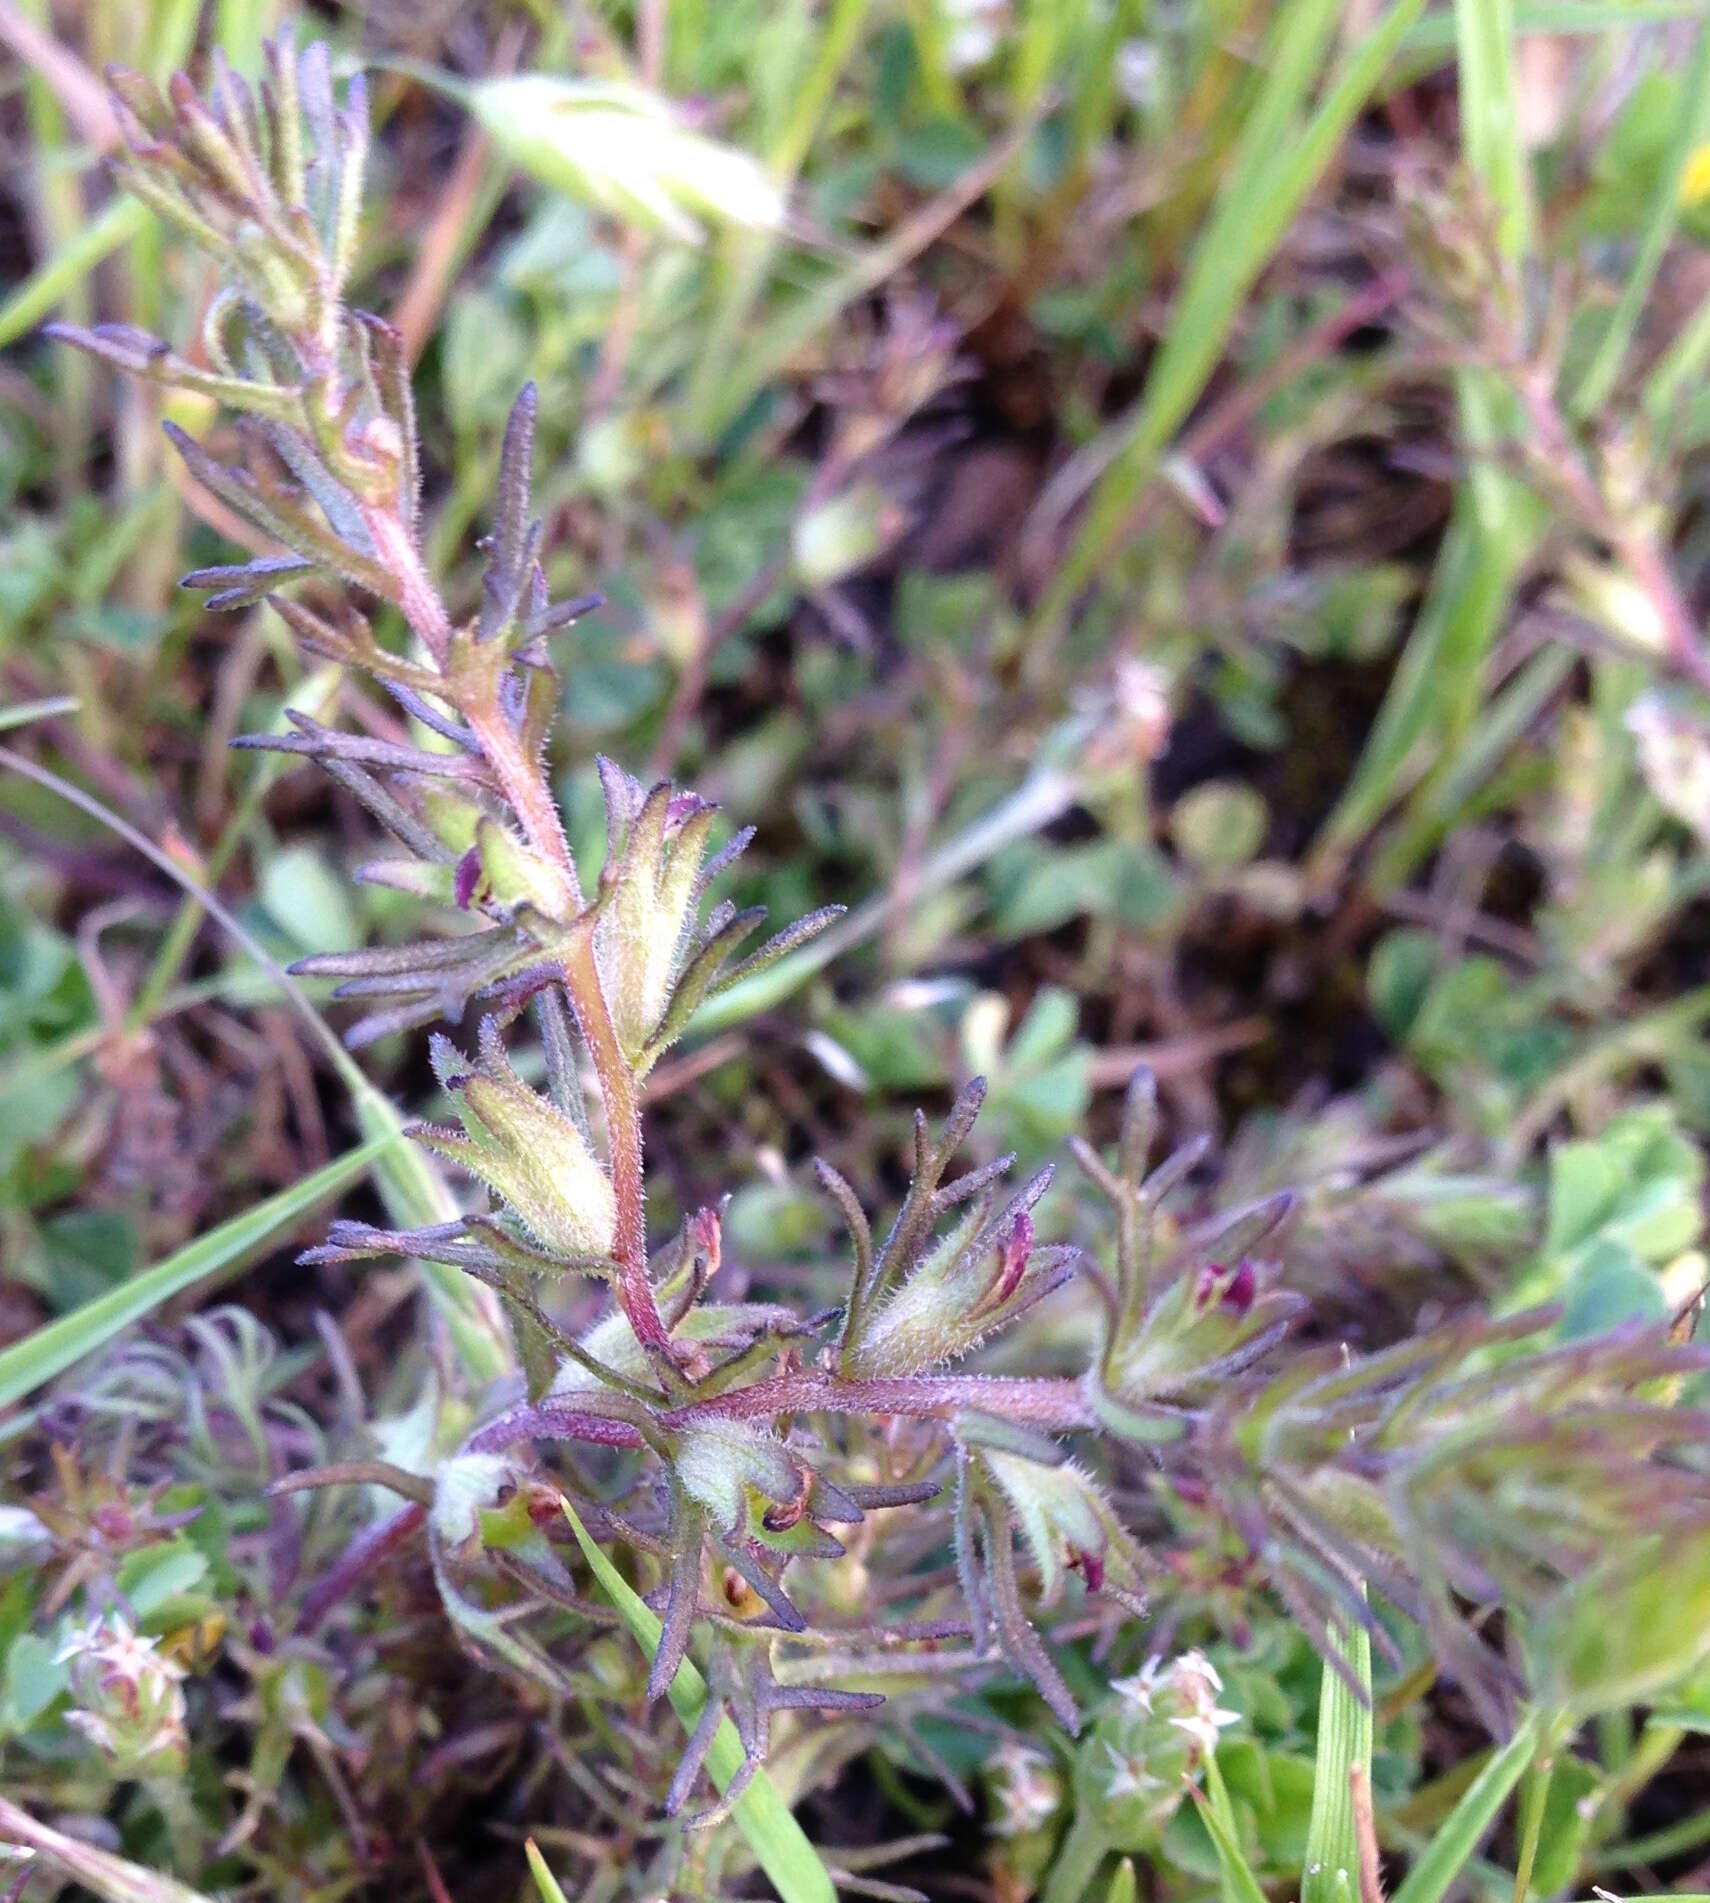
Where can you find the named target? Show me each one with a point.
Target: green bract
(525, 1149)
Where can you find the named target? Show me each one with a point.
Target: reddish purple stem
(552, 1420)
(1056, 1406)
(1060, 1405)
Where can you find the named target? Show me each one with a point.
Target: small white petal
(1197, 1663)
(1200, 1730)
(1139, 1688)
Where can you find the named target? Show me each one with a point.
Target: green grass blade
(1457, 624)
(1458, 779)
(748, 256)
(1124, 1886)
(1436, 33)
(836, 40)
(48, 286)
(1494, 524)
(1490, 117)
(416, 1196)
(1463, 1829)
(1681, 365)
(544, 1881)
(51, 1349)
(412, 1190)
(1238, 1883)
(172, 37)
(1344, 1748)
(1270, 173)
(1660, 222)
(765, 1820)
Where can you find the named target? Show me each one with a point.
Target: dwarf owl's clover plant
(738, 1450)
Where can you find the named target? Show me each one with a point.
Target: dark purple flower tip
(1013, 1258)
(1243, 1286)
(1233, 1289)
(1090, 1566)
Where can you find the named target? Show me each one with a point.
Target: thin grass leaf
(1463, 1830)
(1455, 628)
(121, 222)
(544, 1881)
(56, 1346)
(1344, 1750)
(1124, 1886)
(1490, 116)
(748, 255)
(1495, 524)
(1660, 222)
(1237, 1881)
(1269, 175)
(772, 1833)
(1558, 19)
(1460, 776)
(413, 1191)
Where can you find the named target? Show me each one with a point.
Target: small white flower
(1138, 1689)
(1203, 1726)
(128, 1698)
(1128, 1776)
(111, 1642)
(75, 1644)
(1193, 1671)
(1027, 1789)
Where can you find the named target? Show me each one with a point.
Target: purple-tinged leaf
(560, 614)
(419, 707)
(785, 941)
(682, 1596)
(242, 584)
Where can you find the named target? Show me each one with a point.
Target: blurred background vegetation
(1190, 519)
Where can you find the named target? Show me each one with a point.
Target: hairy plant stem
(524, 785)
(615, 1420)
(417, 599)
(1055, 1405)
(623, 1135)
(525, 788)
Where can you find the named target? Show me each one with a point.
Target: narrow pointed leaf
(761, 1814)
(1457, 1838)
(53, 1348)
